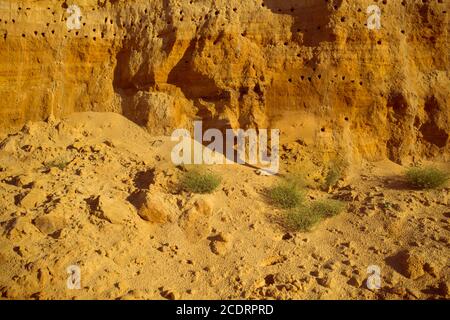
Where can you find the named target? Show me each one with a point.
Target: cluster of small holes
(182, 16)
(56, 26)
(98, 33)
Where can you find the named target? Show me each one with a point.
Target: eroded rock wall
(310, 67)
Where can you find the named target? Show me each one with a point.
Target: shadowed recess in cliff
(135, 69)
(193, 84)
(209, 100)
(137, 72)
(399, 126)
(207, 97)
(430, 130)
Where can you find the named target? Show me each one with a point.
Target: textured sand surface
(68, 195)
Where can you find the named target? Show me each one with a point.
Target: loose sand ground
(68, 195)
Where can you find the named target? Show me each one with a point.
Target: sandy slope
(226, 245)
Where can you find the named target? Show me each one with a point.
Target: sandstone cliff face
(310, 68)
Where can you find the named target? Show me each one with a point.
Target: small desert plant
(426, 177)
(327, 208)
(200, 182)
(59, 163)
(304, 217)
(333, 176)
(286, 194)
(335, 172)
(386, 204)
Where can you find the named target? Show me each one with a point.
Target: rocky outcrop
(310, 68)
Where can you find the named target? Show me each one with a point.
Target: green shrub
(327, 208)
(304, 217)
(333, 176)
(286, 195)
(200, 182)
(59, 163)
(335, 172)
(426, 177)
